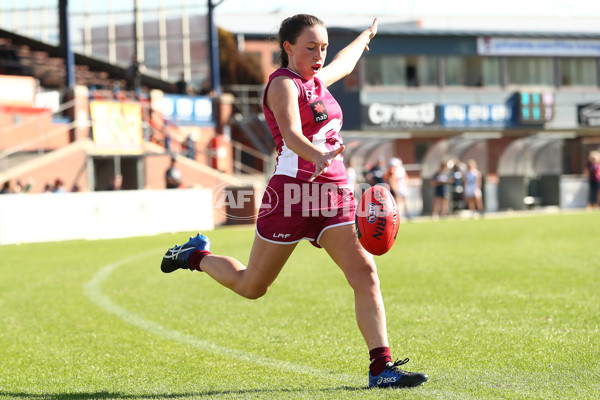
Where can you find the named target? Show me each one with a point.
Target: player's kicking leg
(359, 268)
(251, 281)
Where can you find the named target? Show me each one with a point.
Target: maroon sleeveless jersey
(321, 118)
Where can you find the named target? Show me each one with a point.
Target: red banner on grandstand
(117, 126)
(17, 91)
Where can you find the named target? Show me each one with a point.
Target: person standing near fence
(593, 173)
(473, 183)
(439, 181)
(397, 178)
(457, 186)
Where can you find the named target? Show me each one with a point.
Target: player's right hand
(325, 161)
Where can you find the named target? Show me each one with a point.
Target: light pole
(65, 44)
(213, 38)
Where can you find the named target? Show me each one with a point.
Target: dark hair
(291, 28)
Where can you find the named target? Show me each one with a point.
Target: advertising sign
(117, 126)
(17, 91)
(475, 115)
(588, 114)
(532, 47)
(184, 110)
(401, 116)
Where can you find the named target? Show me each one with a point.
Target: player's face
(307, 55)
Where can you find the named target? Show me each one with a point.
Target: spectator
(117, 94)
(439, 181)
(134, 75)
(397, 178)
(116, 183)
(23, 188)
(191, 147)
(181, 86)
(7, 188)
(18, 188)
(167, 137)
(206, 89)
(473, 187)
(457, 187)
(593, 172)
(376, 175)
(351, 175)
(59, 186)
(173, 175)
(94, 94)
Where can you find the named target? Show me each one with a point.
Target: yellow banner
(117, 126)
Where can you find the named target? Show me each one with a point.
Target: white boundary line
(93, 291)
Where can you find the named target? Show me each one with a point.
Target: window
(530, 71)
(152, 55)
(578, 72)
(384, 71)
(422, 71)
(401, 71)
(472, 71)
(490, 70)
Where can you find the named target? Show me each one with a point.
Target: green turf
(492, 308)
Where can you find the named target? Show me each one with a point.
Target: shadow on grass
(209, 393)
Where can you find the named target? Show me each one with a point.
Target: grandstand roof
(268, 25)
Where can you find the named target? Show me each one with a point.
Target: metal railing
(239, 149)
(36, 123)
(247, 99)
(151, 133)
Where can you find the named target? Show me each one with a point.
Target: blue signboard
(187, 110)
(476, 115)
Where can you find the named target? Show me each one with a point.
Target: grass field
(490, 309)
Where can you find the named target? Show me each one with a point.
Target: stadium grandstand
(90, 91)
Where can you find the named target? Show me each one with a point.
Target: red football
(377, 220)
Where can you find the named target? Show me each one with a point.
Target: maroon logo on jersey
(319, 111)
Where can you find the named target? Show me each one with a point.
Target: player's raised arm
(345, 61)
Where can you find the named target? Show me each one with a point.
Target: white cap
(395, 162)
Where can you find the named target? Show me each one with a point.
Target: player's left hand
(372, 30)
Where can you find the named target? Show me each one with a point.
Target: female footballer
(305, 121)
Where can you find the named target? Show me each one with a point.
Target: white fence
(573, 191)
(29, 218)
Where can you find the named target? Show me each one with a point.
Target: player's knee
(364, 279)
(256, 292)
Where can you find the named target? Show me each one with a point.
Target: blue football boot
(178, 256)
(392, 376)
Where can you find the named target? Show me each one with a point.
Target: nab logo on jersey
(319, 111)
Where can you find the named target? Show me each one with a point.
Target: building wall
(267, 50)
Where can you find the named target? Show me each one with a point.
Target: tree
(236, 68)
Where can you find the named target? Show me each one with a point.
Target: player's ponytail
(290, 29)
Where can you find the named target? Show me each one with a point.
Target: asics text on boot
(392, 376)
